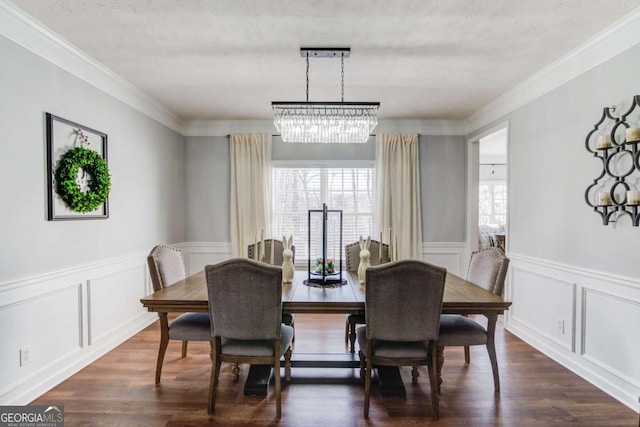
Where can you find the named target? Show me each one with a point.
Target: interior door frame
(473, 182)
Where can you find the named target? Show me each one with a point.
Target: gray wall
(146, 161)
(442, 164)
(549, 170)
(207, 189)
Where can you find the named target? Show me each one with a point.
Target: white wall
(70, 290)
(574, 283)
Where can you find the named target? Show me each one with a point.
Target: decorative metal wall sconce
(615, 141)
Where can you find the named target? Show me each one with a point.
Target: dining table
(302, 296)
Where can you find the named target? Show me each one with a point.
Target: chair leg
(346, 331)
(235, 371)
(352, 337)
(433, 381)
(415, 373)
(491, 349)
(367, 381)
(215, 372)
(164, 342)
(362, 364)
(184, 348)
(276, 374)
(287, 365)
(467, 354)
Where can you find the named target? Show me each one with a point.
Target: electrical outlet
(561, 327)
(25, 356)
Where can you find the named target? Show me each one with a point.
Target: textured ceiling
(422, 59)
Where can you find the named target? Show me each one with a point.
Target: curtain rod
(277, 134)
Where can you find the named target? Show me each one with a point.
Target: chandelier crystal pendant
(325, 122)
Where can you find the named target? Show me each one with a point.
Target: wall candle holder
(612, 194)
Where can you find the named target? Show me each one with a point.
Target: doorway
(487, 191)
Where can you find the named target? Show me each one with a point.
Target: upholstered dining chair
(487, 269)
(403, 304)
(245, 303)
(379, 255)
(287, 318)
(166, 267)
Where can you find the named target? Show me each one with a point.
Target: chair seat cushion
(257, 347)
(191, 327)
(394, 349)
(456, 330)
(356, 319)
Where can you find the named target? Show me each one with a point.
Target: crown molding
(608, 43)
(34, 36)
(226, 127)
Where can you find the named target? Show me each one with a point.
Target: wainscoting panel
(450, 255)
(530, 290)
(613, 341)
(47, 326)
(65, 320)
(601, 314)
(198, 254)
(114, 299)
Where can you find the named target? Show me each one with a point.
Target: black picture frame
(62, 135)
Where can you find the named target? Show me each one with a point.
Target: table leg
(390, 381)
(258, 378)
(439, 363)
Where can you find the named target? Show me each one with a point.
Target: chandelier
(325, 122)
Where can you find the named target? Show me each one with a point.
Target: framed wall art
(78, 175)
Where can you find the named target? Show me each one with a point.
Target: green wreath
(66, 179)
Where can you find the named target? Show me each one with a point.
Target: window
(493, 203)
(298, 189)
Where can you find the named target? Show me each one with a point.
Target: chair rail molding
(588, 326)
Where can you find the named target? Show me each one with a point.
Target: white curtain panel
(250, 190)
(398, 188)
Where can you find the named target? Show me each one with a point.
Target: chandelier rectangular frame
(325, 122)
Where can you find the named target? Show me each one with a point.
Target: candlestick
(262, 245)
(255, 247)
(271, 258)
(604, 199)
(604, 141)
(395, 248)
(633, 197)
(633, 134)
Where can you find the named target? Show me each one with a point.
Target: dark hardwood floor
(118, 389)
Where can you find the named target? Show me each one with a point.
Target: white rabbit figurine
(287, 263)
(364, 259)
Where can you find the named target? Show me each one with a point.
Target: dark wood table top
(190, 295)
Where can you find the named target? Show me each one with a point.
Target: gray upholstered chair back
(277, 251)
(403, 300)
(245, 299)
(488, 269)
(352, 253)
(166, 266)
